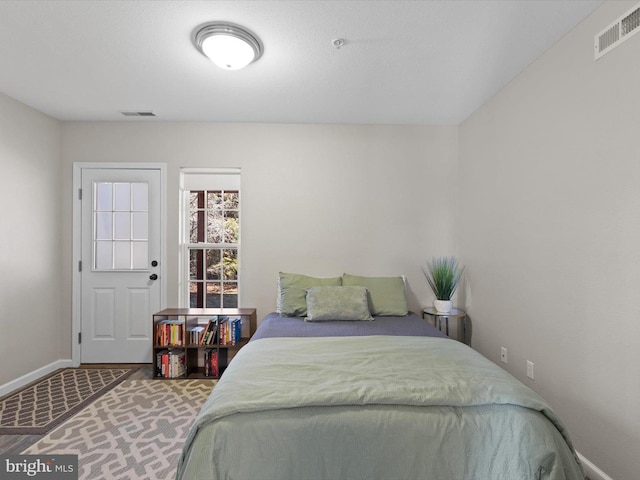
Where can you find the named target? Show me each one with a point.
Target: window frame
(205, 180)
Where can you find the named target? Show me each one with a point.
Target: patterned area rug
(38, 408)
(135, 431)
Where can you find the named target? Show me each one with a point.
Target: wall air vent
(138, 114)
(616, 33)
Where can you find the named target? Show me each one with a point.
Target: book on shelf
(169, 332)
(170, 363)
(222, 330)
(211, 363)
(231, 331)
(209, 337)
(195, 334)
(237, 330)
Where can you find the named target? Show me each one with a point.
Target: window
(120, 226)
(211, 239)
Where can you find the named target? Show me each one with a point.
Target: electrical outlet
(503, 355)
(530, 366)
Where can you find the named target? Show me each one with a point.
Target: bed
(388, 398)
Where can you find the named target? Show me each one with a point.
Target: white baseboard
(33, 376)
(590, 469)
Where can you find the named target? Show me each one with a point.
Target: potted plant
(443, 275)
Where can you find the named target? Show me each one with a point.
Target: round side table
(437, 316)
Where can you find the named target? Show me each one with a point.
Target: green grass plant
(443, 275)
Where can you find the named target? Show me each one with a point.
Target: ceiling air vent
(138, 114)
(616, 33)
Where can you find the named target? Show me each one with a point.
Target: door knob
(153, 276)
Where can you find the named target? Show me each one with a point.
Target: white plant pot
(443, 306)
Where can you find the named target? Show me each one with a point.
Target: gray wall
(30, 240)
(319, 200)
(549, 227)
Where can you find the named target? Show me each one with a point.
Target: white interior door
(120, 270)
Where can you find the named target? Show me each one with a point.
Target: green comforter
(377, 407)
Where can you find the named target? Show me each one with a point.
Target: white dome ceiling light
(229, 46)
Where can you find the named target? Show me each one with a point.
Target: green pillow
(387, 296)
(293, 292)
(337, 303)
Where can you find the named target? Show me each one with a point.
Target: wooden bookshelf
(185, 359)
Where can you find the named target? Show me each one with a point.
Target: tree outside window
(214, 238)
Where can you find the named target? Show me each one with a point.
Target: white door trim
(76, 298)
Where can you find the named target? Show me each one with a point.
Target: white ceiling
(404, 62)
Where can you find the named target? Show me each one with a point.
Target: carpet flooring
(39, 407)
(134, 431)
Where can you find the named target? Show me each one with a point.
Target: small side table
(454, 313)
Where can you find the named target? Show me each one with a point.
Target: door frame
(76, 295)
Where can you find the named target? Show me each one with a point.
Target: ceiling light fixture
(227, 45)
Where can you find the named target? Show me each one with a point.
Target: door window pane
(140, 225)
(140, 192)
(104, 226)
(104, 200)
(104, 255)
(122, 194)
(140, 254)
(122, 255)
(121, 226)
